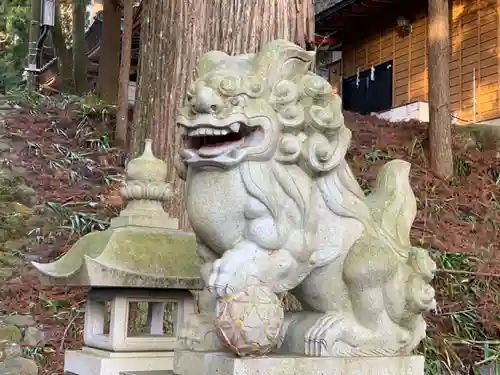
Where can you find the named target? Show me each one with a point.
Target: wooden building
(384, 46)
(49, 75)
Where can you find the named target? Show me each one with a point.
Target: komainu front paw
(245, 264)
(223, 281)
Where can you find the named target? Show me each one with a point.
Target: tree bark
(33, 41)
(122, 115)
(63, 55)
(79, 55)
(440, 142)
(174, 34)
(109, 59)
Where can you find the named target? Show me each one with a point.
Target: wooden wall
(474, 47)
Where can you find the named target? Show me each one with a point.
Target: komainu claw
(321, 336)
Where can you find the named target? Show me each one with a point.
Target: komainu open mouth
(210, 141)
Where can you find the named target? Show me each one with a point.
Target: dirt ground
(67, 157)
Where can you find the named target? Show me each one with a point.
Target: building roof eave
(334, 6)
(321, 5)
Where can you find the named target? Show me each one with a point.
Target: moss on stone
(13, 246)
(138, 251)
(8, 184)
(148, 251)
(91, 245)
(5, 273)
(13, 216)
(484, 136)
(8, 259)
(9, 332)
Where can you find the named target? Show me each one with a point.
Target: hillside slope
(63, 152)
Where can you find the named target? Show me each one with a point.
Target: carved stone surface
(249, 322)
(270, 196)
(199, 334)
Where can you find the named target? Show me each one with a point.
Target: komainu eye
(238, 101)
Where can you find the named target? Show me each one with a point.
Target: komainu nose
(206, 100)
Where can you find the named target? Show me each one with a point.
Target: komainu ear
(281, 59)
(209, 61)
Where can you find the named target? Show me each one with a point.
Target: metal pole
(33, 41)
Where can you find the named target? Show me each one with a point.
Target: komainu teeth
(235, 127)
(200, 132)
(194, 132)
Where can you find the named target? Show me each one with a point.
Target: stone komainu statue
(270, 196)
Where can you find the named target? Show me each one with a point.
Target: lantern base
(228, 364)
(90, 361)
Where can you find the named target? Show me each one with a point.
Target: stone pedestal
(89, 361)
(229, 364)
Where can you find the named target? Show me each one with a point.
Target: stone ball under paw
(249, 322)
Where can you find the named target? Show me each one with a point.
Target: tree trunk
(79, 55)
(440, 154)
(33, 48)
(122, 115)
(109, 59)
(174, 34)
(64, 58)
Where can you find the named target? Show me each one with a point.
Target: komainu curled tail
(387, 278)
(392, 202)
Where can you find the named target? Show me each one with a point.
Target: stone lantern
(142, 268)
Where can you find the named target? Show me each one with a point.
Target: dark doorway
(370, 91)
